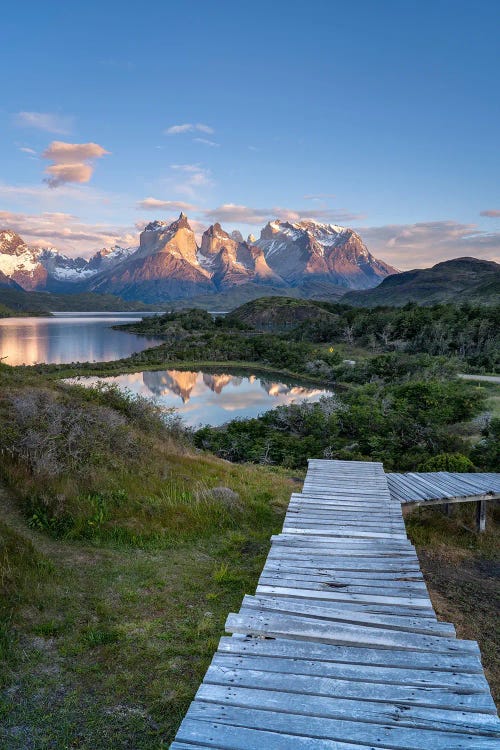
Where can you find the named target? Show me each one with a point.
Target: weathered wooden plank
(400, 738)
(223, 737)
(326, 653)
(355, 672)
(361, 577)
(306, 609)
(290, 626)
(371, 608)
(417, 717)
(324, 584)
(433, 697)
(344, 532)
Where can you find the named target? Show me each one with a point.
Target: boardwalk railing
(340, 648)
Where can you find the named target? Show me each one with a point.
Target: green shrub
(455, 462)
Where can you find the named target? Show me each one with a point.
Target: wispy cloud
(30, 151)
(72, 162)
(189, 127)
(47, 121)
(234, 213)
(493, 213)
(206, 142)
(154, 204)
(319, 196)
(194, 177)
(66, 232)
(426, 243)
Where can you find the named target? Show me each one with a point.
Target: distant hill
(15, 301)
(280, 313)
(459, 280)
(239, 295)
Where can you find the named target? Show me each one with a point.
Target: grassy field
(122, 550)
(105, 641)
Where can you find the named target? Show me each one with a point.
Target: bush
(486, 453)
(52, 435)
(455, 462)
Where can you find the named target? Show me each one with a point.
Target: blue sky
(380, 115)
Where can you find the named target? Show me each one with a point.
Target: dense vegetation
(471, 334)
(403, 415)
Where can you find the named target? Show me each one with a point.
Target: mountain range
(168, 264)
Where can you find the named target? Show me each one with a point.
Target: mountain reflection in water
(208, 398)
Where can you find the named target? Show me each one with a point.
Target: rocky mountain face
(308, 249)
(164, 267)
(169, 265)
(231, 261)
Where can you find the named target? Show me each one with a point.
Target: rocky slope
(459, 280)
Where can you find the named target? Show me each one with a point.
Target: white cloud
(189, 127)
(26, 150)
(493, 213)
(425, 243)
(195, 177)
(72, 162)
(319, 196)
(48, 121)
(206, 142)
(66, 232)
(153, 204)
(234, 213)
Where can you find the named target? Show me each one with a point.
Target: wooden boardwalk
(340, 648)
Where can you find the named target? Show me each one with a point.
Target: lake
(208, 398)
(70, 337)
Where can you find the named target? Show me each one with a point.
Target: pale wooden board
(224, 737)
(339, 614)
(431, 697)
(290, 626)
(354, 672)
(337, 729)
(418, 717)
(326, 653)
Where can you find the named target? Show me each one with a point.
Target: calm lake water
(208, 398)
(69, 337)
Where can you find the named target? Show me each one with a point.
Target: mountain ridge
(169, 265)
(477, 280)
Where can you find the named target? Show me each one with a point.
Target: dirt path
(483, 378)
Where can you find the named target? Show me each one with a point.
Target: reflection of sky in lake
(207, 398)
(69, 337)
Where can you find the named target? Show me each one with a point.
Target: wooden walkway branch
(340, 648)
(446, 488)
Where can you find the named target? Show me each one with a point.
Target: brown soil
(465, 590)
